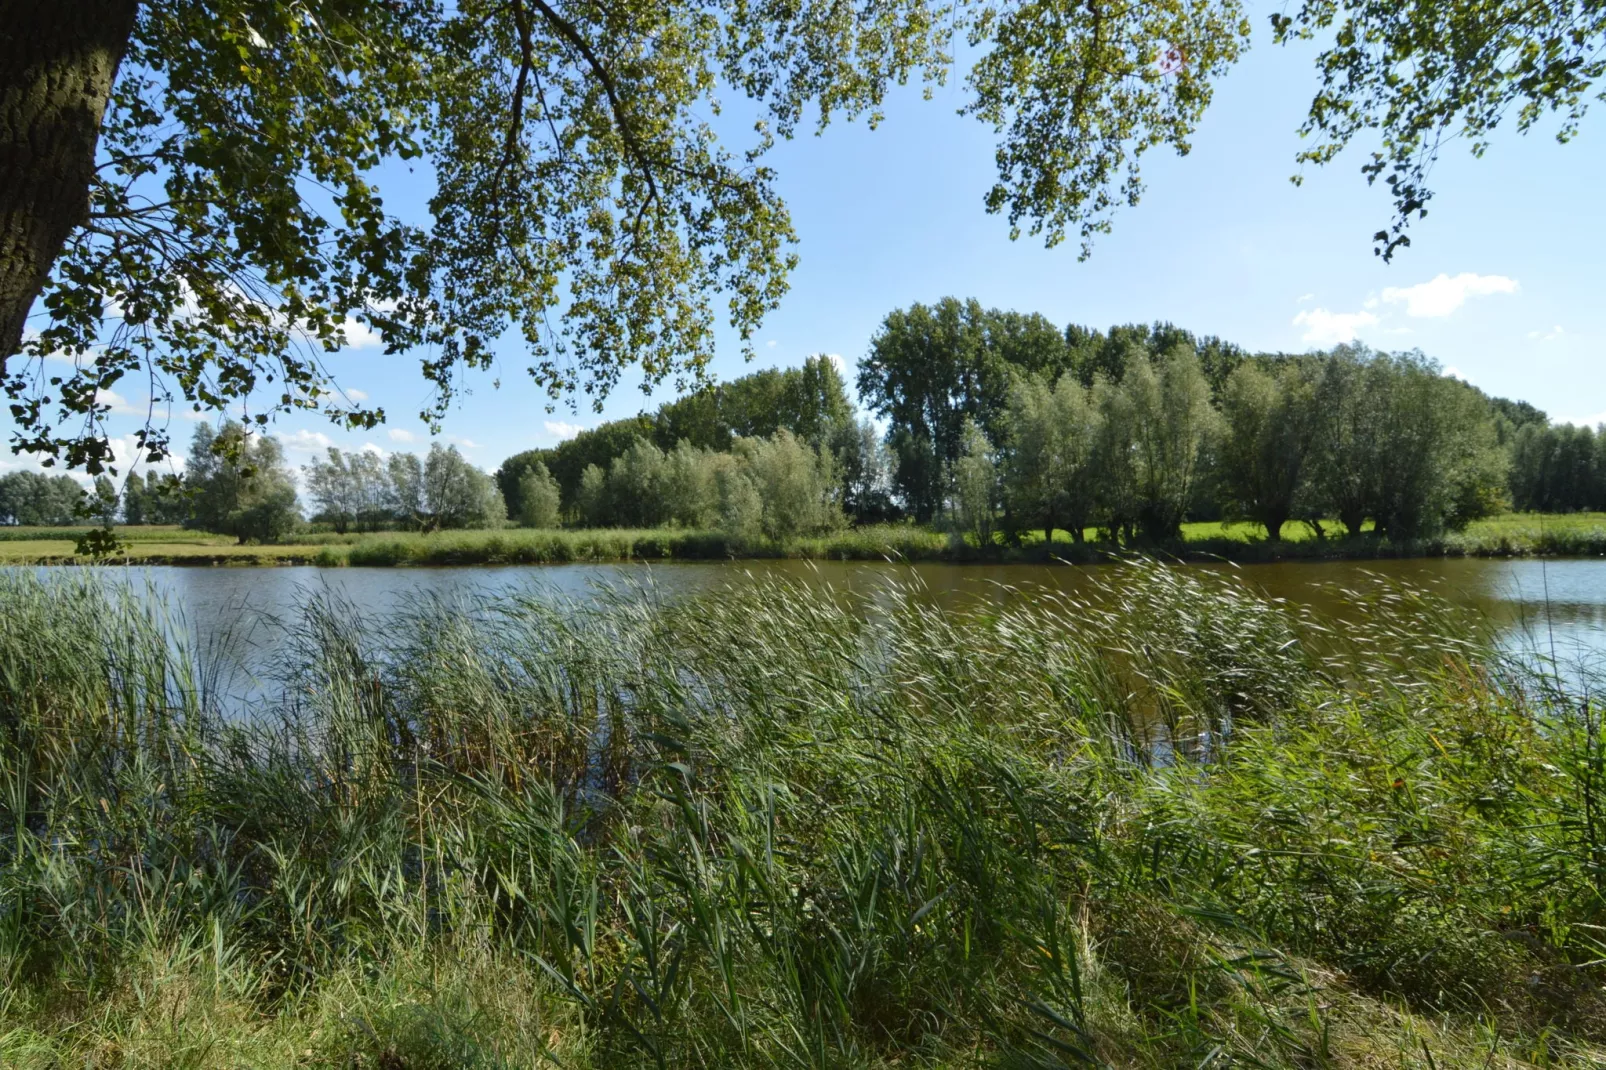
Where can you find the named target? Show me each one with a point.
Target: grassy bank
(154, 544)
(779, 827)
(1514, 535)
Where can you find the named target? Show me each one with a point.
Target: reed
(1167, 822)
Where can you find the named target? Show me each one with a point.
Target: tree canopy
(190, 190)
(810, 401)
(933, 367)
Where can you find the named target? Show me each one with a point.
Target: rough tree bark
(58, 59)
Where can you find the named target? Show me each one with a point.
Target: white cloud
(1444, 294)
(560, 429)
(1584, 421)
(27, 462)
(1452, 372)
(771, 344)
(305, 441)
(1306, 297)
(126, 456)
(836, 358)
(398, 434)
(466, 443)
(1330, 328)
(356, 395)
(360, 336)
(377, 451)
(1546, 336)
(118, 404)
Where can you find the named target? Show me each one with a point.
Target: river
(1531, 602)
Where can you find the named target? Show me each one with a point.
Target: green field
(1514, 534)
(784, 827)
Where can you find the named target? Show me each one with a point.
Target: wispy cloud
(1444, 294)
(466, 443)
(771, 344)
(118, 404)
(1584, 421)
(561, 430)
(1306, 297)
(836, 358)
(356, 395)
(304, 441)
(401, 434)
(1330, 328)
(1546, 336)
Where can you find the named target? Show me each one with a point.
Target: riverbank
(771, 827)
(1512, 535)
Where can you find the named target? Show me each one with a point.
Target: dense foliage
(776, 487)
(1165, 823)
(1130, 432)
(931, 368)
(1558, 469)
(238, 484)
(810, 402)
(1135, 430)
(32, 498)
(190, 192)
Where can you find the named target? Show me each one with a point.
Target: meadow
(1171, 823)
(1512, 534)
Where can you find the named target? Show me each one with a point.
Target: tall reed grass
(1169, 823)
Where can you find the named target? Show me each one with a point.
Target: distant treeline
(1558, 468)
(987, 422)
(240, 485)
(1001, 422)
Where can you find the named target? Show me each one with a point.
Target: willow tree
(190, 189)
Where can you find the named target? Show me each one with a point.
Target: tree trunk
(1274, 528)
(58, 59)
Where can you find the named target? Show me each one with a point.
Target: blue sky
(1502, 283)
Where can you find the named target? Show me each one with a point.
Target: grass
(1512, 535)
(147, 544)
(1174, 824)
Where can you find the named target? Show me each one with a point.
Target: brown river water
(1530, 602)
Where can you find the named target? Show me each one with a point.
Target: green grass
(1523, 534)
(147, 544)
(1171, 825)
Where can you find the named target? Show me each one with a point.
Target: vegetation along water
(1164, 821)
(1003, 438)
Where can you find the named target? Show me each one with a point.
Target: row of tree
(810, 401)
(240, 484)
(933, 369)
(364, 491)
(1558, 469)
(41, 500)
(1000, 420)
(988, 420)
(1353, 435)
(777, 486)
